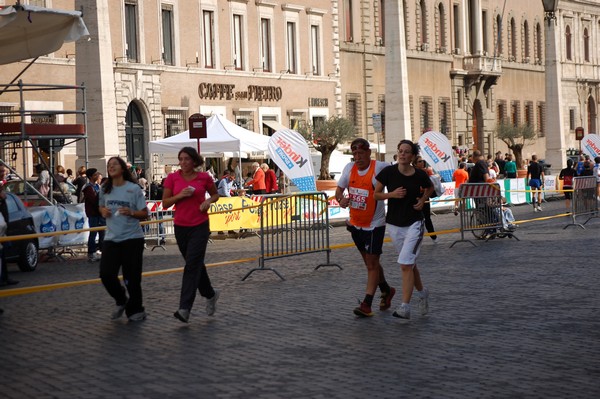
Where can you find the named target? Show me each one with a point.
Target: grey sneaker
(402, 311)
(424, 302)
(138, 316)
(211, 304)
(182, 315)
(118, 312)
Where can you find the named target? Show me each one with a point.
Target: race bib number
(358, 198)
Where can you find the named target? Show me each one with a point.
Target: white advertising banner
(590, 145)
(437, 150)
(289, 150)
(48, 219)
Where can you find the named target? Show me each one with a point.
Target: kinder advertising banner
(590, 145)
(289, 150)
(438, 152)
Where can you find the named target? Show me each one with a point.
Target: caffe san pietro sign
(221, 91)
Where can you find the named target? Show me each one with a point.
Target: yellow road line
(50, 287)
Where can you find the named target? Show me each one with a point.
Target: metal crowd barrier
(293, 225)
(584, 202)
(480, 209)
(156, 234)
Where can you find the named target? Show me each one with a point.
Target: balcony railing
(482, 64)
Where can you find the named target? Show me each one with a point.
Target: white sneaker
(539, 208)
(424, 301)
(211, 304)
(535, 209)
(182, 315)
(138, 316)
(402, 311)
(118, 312)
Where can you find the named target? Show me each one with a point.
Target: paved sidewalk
(508, 319)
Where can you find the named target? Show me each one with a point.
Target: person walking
(258, 180)
(421, 164)
(566, 175)
(122, 205)
(535, 178)
(367, 221)
(90, 198)
(188, 188)
(407, 190)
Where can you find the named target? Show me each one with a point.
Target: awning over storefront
(29, 31)
(274, 125)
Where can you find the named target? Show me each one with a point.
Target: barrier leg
(261, 267)
(328, 262)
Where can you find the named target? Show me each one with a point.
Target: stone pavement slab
(508, 319)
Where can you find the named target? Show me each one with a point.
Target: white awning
(29, 31)
(275, 125)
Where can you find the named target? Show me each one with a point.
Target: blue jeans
(96, 221)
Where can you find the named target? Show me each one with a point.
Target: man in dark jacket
(90, 198)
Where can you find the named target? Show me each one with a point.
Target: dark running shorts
(535, 183)
(368, 241)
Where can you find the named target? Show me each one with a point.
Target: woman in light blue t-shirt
(123, 205)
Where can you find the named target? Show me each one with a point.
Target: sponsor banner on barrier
(48, 219)
(289, 150)
(239, 213)
(437, 150)
(590, 145)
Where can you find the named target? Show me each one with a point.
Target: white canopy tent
(29, 31)
(224, 138)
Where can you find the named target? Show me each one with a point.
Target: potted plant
(516, 137)
(324, 137)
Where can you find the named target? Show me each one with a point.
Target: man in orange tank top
(367, 221)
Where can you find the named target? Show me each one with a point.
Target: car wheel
(28, 257)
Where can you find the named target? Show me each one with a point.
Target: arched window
(423, 21)
(526, 51)
(498, 39)
(538, 43)
(568, 43)
(441, 33)
(512, 40)
(586, 45)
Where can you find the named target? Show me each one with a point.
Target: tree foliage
(325, 137)
(516, 137)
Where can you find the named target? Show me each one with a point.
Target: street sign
(377, 123)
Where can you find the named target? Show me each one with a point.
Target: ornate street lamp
(550, 7)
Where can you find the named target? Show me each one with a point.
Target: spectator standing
(61, 174)
(479, 172)
(187, 188)
(4, 279)
(407, 190)
(80, 181)
(510, 168)
(596, 172)
(43, 181)
(367, 221)
(421, 164)
(535, 177)
(566, 175)
(271, 186)
(70, 176)
(459, 176)
(91, 199)
(580, 165)
(501, 163)
(258, 180)
(123, 205)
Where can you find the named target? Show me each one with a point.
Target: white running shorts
(407, 241)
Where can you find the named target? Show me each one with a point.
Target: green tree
(516, 137)
(325, 137)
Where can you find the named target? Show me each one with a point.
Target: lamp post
(555, 140)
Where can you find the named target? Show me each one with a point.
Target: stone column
(555, 139)
(397, 106)
(94, 69)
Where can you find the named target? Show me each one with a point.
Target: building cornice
(292, 7)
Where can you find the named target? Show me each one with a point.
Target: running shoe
(363, 310)
(386, 299)
(402, 311)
